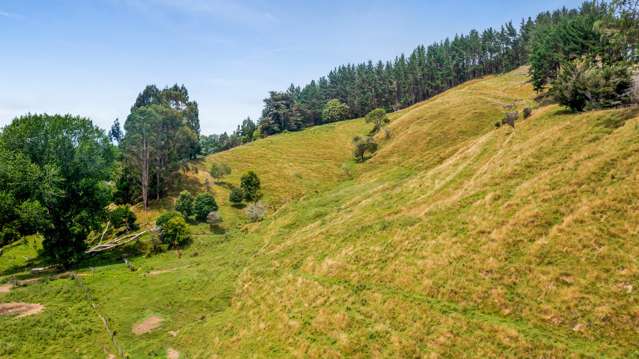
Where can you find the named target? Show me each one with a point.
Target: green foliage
(363, 145)
(175, 232)
(281, 113)
(353, 90)
(250, 186)
(583, 85)
(245, 133)
(165, 217)
(220, 170)
(54, 168)
(203, 205)
(184, 204)
(378, 118)
(115, 133)
(335, 110)
(161, 132)
(236, 197)
(123, 217)
(32, 217)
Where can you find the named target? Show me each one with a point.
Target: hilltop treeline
(546, 41)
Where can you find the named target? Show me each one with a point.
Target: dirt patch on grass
(26, 282)
(20, 309)
(172, 354)
(6, 288)
(158, 272)
(147, 325)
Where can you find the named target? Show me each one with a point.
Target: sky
(92, 57)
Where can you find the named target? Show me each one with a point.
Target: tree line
(586, 57)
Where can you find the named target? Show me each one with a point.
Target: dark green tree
(203, 205)
(250, 186)
(184, 204)
(236, 197)
(115, 133)
(65, 162)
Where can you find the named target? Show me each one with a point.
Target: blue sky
(92, 57)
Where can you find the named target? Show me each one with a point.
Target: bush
(250, 185)
(256, 211)
(583, 85)
(363, 145)
(204, 204)
(214, 219)
(510, 118)
(175, 232)
(236, 197)
(165, 217)
(219, 170)
(184, 204)
(378, 118)
(527, 112)
(123, 217)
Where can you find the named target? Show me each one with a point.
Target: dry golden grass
(456, 240)
(459, 239)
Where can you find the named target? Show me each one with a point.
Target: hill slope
(456, 239)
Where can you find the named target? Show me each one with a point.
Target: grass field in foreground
(456, 240)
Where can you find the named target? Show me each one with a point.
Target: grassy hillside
(457, 239)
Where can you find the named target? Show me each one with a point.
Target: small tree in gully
(250, 185)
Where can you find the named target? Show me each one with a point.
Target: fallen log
(120, 241)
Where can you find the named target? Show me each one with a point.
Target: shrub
(219, 170)
(214, 219)
(203, 205)
(256, 211)
(250, 185)
(527, 112)
(123, 217)
(585, 85)
(510, 119)
(378, 118)
(363, 144)
(175, 232)
(165, 217)
(184, 204)
(236, 197)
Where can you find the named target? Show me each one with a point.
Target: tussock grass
(455, 240)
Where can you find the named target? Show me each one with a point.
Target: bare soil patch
(147, 325)
(158, 272)
(172, 354)
(6, 288)
(20, 309)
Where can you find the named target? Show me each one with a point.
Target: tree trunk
(145, 173)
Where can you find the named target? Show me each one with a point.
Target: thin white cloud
(234, 11)
(10, 15)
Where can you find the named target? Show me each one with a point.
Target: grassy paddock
(457, 239)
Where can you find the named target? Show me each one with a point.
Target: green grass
(456, 240)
